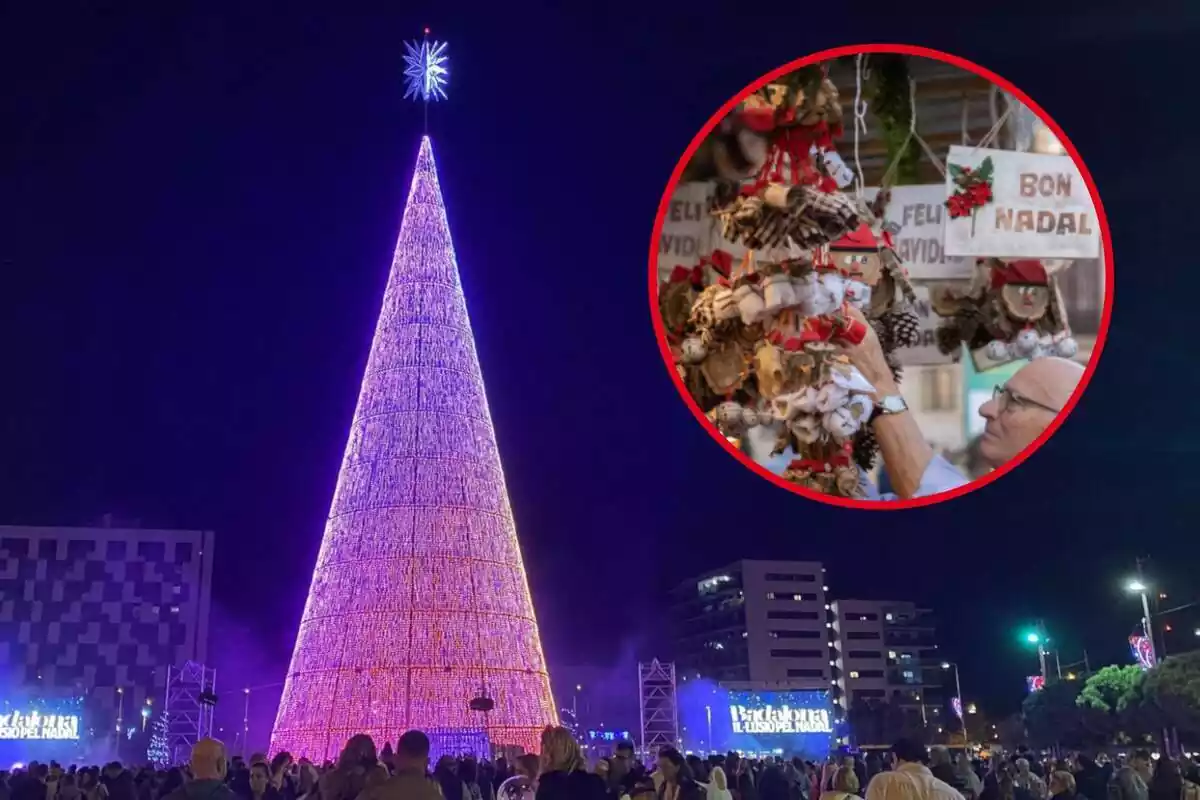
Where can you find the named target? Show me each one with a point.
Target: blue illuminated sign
(715, 719)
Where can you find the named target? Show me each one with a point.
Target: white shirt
(910, 782)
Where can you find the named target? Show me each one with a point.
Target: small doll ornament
(692, 350)
(1012, 310)
(729, 417)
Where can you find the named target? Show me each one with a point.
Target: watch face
(894, 404)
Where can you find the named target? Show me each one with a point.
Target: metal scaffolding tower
(190, 699)
(660, 714)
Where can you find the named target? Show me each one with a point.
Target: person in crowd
(1090, 779)
(208, 768)
(697, 769)
(718, 785)
(1167, 782)
(445, 773)
(306, 780)
(1028, 780)
(260, 786)
(468, 770)
(563, 776)
(911, 779)
(122, 786)
(845, 785)
(91, 788)
(874, 766)
(281, 781)
(347, 780)
(523, 784)
(410, 780)
(1062, 786)
(773, 784)
(741, 780)
(1131, 782)
(172, 780)
(1015, 417)
(621, 773)
(967, 780)
(677, 783)
(641, 789)
(942, 768)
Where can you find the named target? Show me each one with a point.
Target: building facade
(100, 613)
(755, 621)
(887, 651)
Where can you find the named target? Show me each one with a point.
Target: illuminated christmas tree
(419, 597)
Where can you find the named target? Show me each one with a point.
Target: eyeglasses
(1006, 399)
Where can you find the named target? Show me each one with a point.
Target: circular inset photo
(881, 276)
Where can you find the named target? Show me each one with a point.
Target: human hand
(868, 356)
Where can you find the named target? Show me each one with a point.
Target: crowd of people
(908, 771)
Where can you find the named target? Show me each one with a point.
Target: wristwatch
(888, 405)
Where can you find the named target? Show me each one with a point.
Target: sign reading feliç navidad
(1018, 205)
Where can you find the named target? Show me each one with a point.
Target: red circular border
(1106, 242)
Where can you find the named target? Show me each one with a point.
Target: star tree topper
(426, 70)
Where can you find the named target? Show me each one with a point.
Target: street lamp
(1138, 586)
(958, 691)
(1038, 637)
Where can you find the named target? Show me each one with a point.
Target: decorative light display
(458, 743)
(1143, 651)
(1035, 683)
(419, 596)
(157, 752)
(426, 70)
(956, 704)
(33, 726)
(608, 736)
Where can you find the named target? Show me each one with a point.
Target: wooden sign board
(1039, 207)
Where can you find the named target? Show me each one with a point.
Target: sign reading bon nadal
(1018, 205)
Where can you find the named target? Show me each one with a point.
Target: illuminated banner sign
(1143, 651)
(33, 725)
(784, 719)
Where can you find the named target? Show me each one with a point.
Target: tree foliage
(1170, 694)
(1113, 689)
(1052, 715)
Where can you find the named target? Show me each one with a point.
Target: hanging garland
(891, 106)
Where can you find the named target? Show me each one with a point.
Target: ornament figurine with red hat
(1012, 310)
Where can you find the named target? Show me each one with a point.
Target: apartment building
(757, 622)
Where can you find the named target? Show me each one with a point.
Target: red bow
(720, 261)
(796, 144)
(821, 464)
(695, 275)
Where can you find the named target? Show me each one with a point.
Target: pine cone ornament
(884, 331)
(905, 326)
(866, 448)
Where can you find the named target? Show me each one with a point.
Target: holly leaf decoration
(955, 171)
(985, 169)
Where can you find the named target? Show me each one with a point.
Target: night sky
(199, 207)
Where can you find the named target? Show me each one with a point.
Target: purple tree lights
(419, 598)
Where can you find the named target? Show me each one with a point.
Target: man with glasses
(1019, 412)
